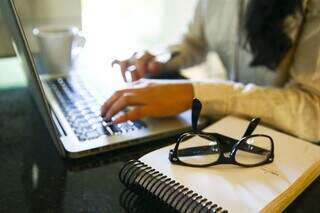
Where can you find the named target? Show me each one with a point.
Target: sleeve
(193, 47)
(294, 108)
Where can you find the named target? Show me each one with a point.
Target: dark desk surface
(34, 178)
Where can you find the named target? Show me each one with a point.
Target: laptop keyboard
(83, 111)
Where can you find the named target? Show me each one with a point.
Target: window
(120, 27)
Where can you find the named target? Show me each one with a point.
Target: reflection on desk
(34, 178)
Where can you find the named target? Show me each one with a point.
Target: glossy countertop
(34, 178)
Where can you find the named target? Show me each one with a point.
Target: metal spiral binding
(147, 182)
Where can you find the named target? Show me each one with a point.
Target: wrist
(189, 89)
(187, 93)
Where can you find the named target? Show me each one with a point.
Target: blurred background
(113, 29)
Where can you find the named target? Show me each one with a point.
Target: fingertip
(152, 67)
(120, 119)
(134, 76)
(104, 116)
(104, 111)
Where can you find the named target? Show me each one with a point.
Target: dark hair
(264, 28)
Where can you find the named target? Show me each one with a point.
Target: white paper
(239, 189)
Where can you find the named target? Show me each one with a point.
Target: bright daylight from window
(118, 28)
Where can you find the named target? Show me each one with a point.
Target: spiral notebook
(268, 188)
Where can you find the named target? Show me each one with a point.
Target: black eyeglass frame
(225, 144)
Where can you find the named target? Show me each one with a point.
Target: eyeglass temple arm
(227, 141)
(207, 150)
(230, 142)
(199, 150)
(251, 127)
(196, 109)
(253, 149)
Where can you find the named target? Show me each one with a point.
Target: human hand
(150, 98)
(138, 66)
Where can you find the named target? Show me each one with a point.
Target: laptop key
(126, 127)
(115, 129)
(82, 137)
(92, 135)
(109, 130)
(139, 124)
(75, 117)
(78, 131)
(83, 111)
(102, 131)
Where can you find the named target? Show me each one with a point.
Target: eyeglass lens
(198, 148)
(254, 150)
(198, 151)
(206, 150)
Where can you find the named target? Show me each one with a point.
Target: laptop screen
(28, 63)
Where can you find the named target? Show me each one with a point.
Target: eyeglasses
(203, 149)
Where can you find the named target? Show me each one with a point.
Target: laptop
(71, 110)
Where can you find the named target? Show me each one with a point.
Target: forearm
(289, 109)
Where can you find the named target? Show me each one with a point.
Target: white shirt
(294, 108)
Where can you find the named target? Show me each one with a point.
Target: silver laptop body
(68, 142)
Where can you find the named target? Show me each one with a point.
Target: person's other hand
(139, 66)
(150, 98)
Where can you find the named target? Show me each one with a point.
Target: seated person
(270, 49)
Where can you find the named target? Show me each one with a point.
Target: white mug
(58, 46)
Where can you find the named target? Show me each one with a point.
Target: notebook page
(240, 189)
